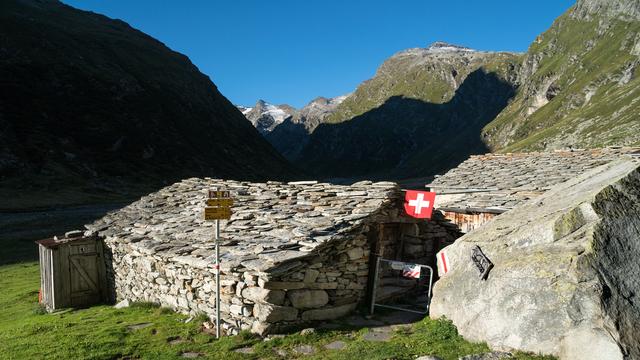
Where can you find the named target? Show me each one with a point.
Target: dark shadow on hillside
(19, 230)
(289, 138)
(408, 138)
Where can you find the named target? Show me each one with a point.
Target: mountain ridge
(378, 131)
(578, 86)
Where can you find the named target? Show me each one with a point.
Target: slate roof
(271, 223)
(498, 182)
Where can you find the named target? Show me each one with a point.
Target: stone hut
(485, 186)
(291, 253)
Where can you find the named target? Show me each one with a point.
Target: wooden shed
(72, 271)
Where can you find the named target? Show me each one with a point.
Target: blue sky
(291, 51)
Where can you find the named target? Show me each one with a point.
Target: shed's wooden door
(84, 275)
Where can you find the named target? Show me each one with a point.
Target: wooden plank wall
(468, 222)
(46, 278)
(72, 274)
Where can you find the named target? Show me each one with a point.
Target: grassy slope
(101, 332)
(429, 82)
(609, 118)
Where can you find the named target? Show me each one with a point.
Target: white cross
(419, 203)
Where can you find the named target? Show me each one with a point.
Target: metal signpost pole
(217, 279)
(218, 207)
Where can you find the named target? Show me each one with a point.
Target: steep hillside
(579, 83)
(92, 109)
(421, 113)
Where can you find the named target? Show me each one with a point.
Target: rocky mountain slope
(265, 117)
(91, 108)
(292, 135)
(578, 83)
(421, 113)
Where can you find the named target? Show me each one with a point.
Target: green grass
(610, 116)
(102, 332)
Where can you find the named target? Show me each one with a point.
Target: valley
(120, 150)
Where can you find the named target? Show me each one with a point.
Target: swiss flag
(419, 204)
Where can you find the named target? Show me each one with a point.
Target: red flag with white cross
(419, 204)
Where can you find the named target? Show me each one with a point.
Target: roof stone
(499, 182)
(271, 223)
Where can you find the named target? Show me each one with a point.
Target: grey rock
(122, 304)
(588, 9)
(494, 355)
(328, 313)
(191, 355)
(244, 350)
(308, 299)
(304, 349)
(258, 294)
(558, 258)
(139, 326)
(274, 313)
(73, 234)
(336, 345)
(355, 253)
(311, 275)
(307, 331)
(378, 334)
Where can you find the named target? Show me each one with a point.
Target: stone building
(291, 253)
(485, 186)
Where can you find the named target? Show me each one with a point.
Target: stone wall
(325, 285)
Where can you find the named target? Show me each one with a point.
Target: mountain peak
(441, 46)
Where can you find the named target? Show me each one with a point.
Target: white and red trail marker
(411, 271)
(419, 204)
(443, 262)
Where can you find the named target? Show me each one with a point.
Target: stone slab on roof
(272, 223)
(498, 182)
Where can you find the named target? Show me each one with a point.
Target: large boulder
(566, 273)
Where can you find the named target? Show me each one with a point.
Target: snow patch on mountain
(265, 116)
(276, 113)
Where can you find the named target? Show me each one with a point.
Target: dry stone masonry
(484, 186)
(290, 254)
(500, 182)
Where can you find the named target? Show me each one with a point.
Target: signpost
(218, 208)
(225, 202)
(217, 213)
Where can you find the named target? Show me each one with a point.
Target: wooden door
(84, 275)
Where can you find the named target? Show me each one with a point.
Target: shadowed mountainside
(406, 137)
(92, 109)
